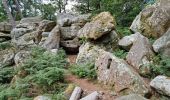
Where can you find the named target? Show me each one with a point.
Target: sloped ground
(89, 86)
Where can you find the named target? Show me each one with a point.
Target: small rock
(42, 98)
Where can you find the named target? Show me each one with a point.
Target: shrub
(160, 66)
(5, 45)
(123, 31)
(6, 74)
(84, 71)
(42, 73)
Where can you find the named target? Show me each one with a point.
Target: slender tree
(10, 17)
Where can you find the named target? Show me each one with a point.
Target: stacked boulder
(100, 34)
(70, 24)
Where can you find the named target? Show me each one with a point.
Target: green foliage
(42, 73)
(84, 71)
(124, 10)
(160, 66)
(6, 74)
(5, 45)
(2, 12)
(123, 31)
(120, 53)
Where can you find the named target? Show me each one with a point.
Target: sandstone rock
(6, 36)
(140, 53)
(7, 57)
(116, 72)
(161, 84)
(42, 98)
(153, 20)
(162, 45)
(88, 53)
(53, 39)
(100, 25)
(76, 94)
(92, 96)
(27, 25)
(108, 41)
(127, 41)
(66, 19)
(131, 97)
(45, 26)
(21, 57)
(5, 27)
(71, 46)
(70, 32)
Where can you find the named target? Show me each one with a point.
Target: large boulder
(53, 39)
(70, 32)
(102, 24)
(108, 41)
(153, 20)
(88, 53)
(162, 45)
(161, 84)
(117, 73)
(66, 19)
(140, 53)
(26, 26)
(131, 97)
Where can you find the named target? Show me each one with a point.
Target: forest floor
(89, 86)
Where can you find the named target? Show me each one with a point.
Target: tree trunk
(18, 8)
(10, 17)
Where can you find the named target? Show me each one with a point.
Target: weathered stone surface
(92, 96)
(42, 98)
(131, 97)
(76, 94)
(88, 53)
(162, 45)
(161, 84)
(6, 36)
(108, 41)
(127, 41)
(7, 57)
(140, 53)
(71, 46)
(5, 27)
(53, 39)
(154, 20)
(116, 72)
(101, 24)
(66, 19)
(24, 31)
(70, 32)
(21, 57)
(45, 26)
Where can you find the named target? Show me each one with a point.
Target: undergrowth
(42, 73)
(84, 71)
(120, 53)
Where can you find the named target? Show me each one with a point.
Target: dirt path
(89, 86)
